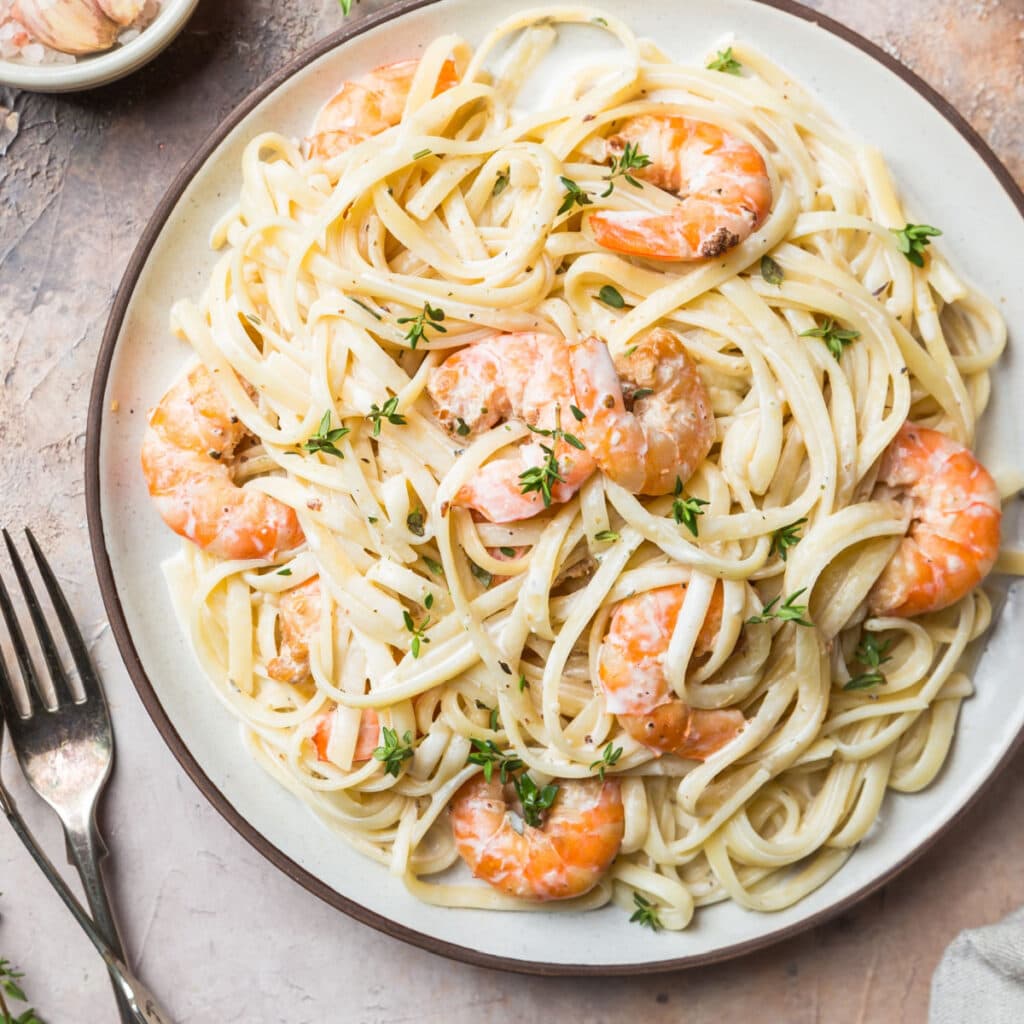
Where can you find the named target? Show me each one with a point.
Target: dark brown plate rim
(131, 658)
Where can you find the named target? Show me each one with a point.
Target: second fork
(65, 752)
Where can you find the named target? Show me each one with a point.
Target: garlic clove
(124, 12)
(71, 26)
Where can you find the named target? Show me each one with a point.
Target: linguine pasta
(345, 280)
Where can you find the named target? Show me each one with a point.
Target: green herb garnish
(646, 913)
(540, 478)
(630, 160)
(461, 426)
(489, 755)
(392, 752)
(430, 317)
(508, 552)
(325, 437)
(523, 684)
(578, 414)
(492, 720)
(574, 196)
(725, 61)
(414, 522)
(912, 239)
(484, 577)
(387, 411)
(685, 510)
(786, 538)
(422, 153)
(606, 536)
(534, 801)
(786, 612)
(435, 567)
(363, 305)
(771, 271)
(500, 183)
(286, 571)
(834, 337)
(418, 637)
(871, 654)
(611, 297)
(609, 759)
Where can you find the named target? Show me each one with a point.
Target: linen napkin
(981, 976)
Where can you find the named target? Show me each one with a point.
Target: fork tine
(59, 679)
(28, 672)
(90, 681)
(8, 705)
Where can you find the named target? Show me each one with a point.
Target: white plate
(946, 176)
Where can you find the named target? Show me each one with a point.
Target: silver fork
(64, 752)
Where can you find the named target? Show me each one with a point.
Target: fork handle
(141, 1005)
(85, 851)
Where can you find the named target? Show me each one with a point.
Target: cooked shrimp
(724, 191)
(366, 743)
(631, 674)
(953, 538)
(186, 460)
(512, 376)
(368, 107)
(564, 857)
(670, 426)
(298, 615)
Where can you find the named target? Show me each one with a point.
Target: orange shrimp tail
(566, 857)
(954, 534)
(692, 733)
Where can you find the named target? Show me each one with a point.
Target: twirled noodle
(461, 206)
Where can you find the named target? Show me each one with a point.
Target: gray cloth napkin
(981, 976)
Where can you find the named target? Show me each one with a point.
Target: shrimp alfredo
(582, 499)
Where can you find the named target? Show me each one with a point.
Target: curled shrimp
(367, 740)
(299, 616)
(631, 673)
(368, 107)
(564, 857)
(953, 538)
(724, 189)
(187, 454)
(521, 376)
(669, 426)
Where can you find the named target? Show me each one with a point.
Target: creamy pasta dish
(578, 503)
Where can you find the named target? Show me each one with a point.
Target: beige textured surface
(219, 934)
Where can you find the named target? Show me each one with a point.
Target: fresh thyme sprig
(871, 654)
(388, 411)
(430, 317)
(574, 196)
(325, 438)
(835, 337)
(534, 801)
(785, 538)
(725, 61)
(489, 756)
(631, 159)
(418, 637)
(540, 478)
(609, 759)
(646, 913)
(686, 510)
(394, 751)
(10, 985)
(912, 239)
(788, 611)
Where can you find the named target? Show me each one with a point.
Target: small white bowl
(92, 70)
